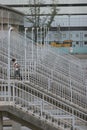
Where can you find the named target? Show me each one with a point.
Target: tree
(38, 18)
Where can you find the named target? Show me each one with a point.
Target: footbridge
(53, 91)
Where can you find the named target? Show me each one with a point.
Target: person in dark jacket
(16, 69)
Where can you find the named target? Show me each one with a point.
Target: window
(64, 35)
(77, 35)
(85, 35)
(70, 35)
(85, 43)
(77, 42)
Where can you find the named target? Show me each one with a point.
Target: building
(70, 22)
(11, 17)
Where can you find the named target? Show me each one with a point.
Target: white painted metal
(53, 73)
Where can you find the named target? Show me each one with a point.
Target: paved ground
(81, 56)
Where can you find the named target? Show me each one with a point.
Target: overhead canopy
(9, 16)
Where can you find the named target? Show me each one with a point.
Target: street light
(8, 72)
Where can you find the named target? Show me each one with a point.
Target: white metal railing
(53, 86)
(59, 74)
(59, 69)
(28, 102)
(32, 100)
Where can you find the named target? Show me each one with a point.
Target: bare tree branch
(36, 19)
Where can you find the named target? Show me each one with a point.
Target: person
(16, 69)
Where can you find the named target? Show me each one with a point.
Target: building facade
(11, 17)
(70, 21)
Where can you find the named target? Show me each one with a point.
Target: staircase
(53, 87)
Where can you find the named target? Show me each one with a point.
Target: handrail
(53, 78)
(39, 94)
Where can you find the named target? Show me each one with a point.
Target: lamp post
(25, 52)
(8, 72)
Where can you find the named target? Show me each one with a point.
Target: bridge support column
(1, 121)
(16, 126)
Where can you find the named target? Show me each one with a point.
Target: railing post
(34, 66)
(42, 106)
(25, 52)
(70, 81)
(41, 40)
(37, 44)
(48, 38)
(32, 43)
(8, 72)
(51, 75)
(73, 119)
(73, 123)
(49, 83)
(41, 35)
(1, 121)
(44, 36)
(13, 93)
